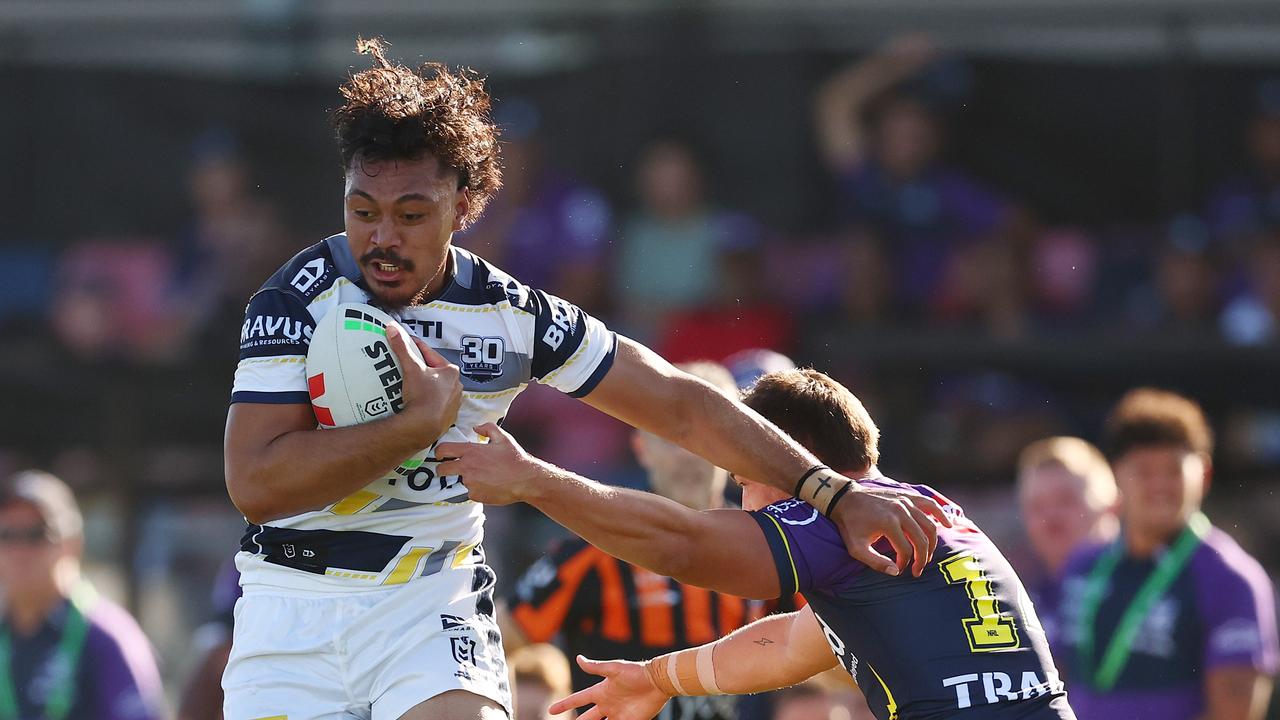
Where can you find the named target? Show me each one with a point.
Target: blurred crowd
(914, 246)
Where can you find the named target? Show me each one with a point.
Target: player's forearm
(640, 528)
(310, 469)
(736, 438)
(755, 658)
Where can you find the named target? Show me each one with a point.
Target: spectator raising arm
(841, 100)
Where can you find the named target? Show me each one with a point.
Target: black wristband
(808, 473)
(831, 506)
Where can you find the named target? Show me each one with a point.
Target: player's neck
(27, 608)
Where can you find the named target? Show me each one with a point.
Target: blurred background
(988, 217)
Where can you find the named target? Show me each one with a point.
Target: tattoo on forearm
(763, 641)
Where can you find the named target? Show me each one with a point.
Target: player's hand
(432, 387)
(867, 514)
(625, 694)
(498, 472)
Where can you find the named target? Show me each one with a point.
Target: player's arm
(279, 464)
(715, 549)
(647, 392)
(774, 652)
(1236, 693)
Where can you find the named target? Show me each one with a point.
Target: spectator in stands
(1067, 496)
(1248, 204)
(1253, 317)
(1173, 620)
(741, 313)
(601, 607)
(551, 228)
(670, 248)
(539, 677)
(884, 142)
(65, 652)
(234, 237)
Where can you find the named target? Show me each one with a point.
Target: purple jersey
(1219, 612)
(116, 677)
(960, 641)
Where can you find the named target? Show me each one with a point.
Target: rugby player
(959, 641)
(366, 593)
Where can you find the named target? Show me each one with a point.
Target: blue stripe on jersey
(601, 370)
(783, 562)
(271, 398)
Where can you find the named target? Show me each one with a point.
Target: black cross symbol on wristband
(824, 482)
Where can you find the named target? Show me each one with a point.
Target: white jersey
(412, 522)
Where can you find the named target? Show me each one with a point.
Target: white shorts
(368, 655)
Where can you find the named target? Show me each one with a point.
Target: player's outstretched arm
(771, 653)
(716, 549)
(647, 392)
(278, 464)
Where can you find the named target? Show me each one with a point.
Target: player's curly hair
(1148, 417)
(394, 112)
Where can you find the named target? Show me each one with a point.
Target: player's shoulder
(794, 512)
(314, 270)
(478, 282)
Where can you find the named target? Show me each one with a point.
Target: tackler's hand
(626, 693)
(497, 472)
(904, 519)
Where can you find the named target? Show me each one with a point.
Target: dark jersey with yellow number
(960, 641)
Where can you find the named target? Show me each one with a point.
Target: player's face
(1160, 487)
(400, 217)
(1057, 512)
(757, 496)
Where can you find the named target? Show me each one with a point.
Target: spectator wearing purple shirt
(1173, 620)
(1249, 203)
(888, 170)
(65, 652)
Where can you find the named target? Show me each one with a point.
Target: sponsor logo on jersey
(309, 274)
(452, 623)
(989, 688)
(274, 330)
(561, 323)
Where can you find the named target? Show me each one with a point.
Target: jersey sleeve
(558, 590)
(1239, 614)
(273, 350)
(806, 548)
(572, 351)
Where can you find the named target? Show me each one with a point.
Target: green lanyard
(70, 646)
(1116, 656)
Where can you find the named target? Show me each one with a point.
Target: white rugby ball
(352, 374)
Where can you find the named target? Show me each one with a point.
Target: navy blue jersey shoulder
(559, 329)
(276, 320)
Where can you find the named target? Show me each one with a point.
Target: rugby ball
(352, 374)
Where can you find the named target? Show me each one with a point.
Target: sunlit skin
(400, 217)
(1058, 515)
(1160, 487)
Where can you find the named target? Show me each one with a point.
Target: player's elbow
(249, 497)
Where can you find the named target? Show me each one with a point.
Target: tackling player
(365, 588)
(960, 641)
